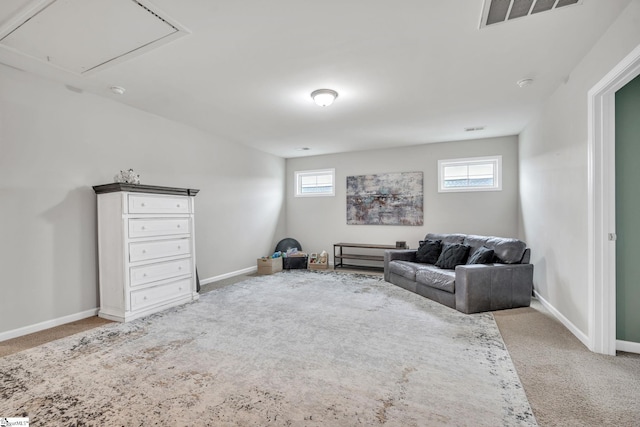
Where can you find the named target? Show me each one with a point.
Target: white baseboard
(47, 324)
(584, 339)
(247, 270)
(94, 312)
(628, 346)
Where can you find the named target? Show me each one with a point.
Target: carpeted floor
(567, 385)
(297, 348)
(26, 342)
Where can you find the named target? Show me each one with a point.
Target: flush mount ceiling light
(117, 90)
(324, 97)
(524, 82)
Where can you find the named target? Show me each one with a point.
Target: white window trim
(497, 160)
(298, 182)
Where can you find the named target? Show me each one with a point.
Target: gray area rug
(296, 348)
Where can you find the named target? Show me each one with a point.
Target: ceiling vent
(497, 11)
(83, 36)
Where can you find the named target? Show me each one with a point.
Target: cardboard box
(318, 265)
(269, 265)
(319, 262)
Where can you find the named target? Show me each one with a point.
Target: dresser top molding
(139, 188)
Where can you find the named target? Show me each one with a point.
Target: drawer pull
(144, 298)
(178, 225)
(178, 205)
(144, 251)
(144, 275)
(180, 288)
(180, 268)
(142, 204)
(178, 246)
(144, 228)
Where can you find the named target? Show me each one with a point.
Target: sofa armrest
(397, 254)
(487, 287)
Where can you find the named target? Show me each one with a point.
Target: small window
(316, 183)
(473, 174)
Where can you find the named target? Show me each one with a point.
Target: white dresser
(146, 249)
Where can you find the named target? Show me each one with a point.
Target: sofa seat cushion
(434, 277)
(405, 269)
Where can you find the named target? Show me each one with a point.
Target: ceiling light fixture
(117, 90)
(524, 82)
(324, 97)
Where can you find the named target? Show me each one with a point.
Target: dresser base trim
(132, 315)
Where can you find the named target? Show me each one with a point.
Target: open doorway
(601, 199)
(627, 211)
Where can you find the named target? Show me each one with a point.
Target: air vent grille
(497, 11)
(156, 15)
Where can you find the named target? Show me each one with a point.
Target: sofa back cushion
(482, 255)
(446, 238)
(506, 250)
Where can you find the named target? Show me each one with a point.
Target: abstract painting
(385, 199)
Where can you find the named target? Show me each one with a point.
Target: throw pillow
(482, 255)
(429, 251)
(452, 254)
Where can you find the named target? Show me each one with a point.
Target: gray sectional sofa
(504, 279)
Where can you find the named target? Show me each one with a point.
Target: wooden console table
(339, 256)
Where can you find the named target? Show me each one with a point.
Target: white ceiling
(407, 72)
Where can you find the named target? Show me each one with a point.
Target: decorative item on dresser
(146, 248)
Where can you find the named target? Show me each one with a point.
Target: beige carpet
(566, 384)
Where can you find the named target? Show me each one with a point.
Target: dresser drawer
(158, 227)
(143, 251)
(150, 204)
(158, 294)
(160, 271)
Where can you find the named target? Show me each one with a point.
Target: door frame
(601, 248)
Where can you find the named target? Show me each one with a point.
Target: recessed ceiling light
(117, 90)
(524, 82)
(324, 97)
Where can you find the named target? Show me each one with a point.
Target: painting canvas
(385, 199)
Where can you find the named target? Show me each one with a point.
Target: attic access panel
(497, 11)
(86, 35)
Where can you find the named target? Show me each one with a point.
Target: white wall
(55, 144)
(553, 176)
(319, 222)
